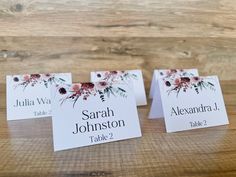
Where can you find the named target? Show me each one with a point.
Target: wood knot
(186, 53)
(14, 54)
(17, 8)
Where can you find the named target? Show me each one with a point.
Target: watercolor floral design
(85, 90)
(116, 76)
(33, 79)
(173, 73)
(185, 83)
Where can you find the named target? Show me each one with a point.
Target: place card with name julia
(133, 78)
(86, 114)
(29, 95)
(165, 75)
(192, 102)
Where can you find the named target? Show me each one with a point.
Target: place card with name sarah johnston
(192, 102)
(86, 114)
(29, 96)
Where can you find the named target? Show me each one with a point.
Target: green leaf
(121, 89)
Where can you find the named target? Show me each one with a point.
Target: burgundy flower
(88, 85)
(36, 76)
(173, 70)
(186, 83)
(85, 90)
(16, 79)
(185, 79)
(114, 72)
(34, 79)
(62, 91)
(196, 78)
(103, 84)
(168, 84)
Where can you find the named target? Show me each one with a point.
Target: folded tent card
(156, 110)
(193, 102)
(85, 114)
(29, 96)
(190, 102)
(133, 78)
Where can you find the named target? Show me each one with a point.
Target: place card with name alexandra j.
(133, 78)
(29, 95)
(86, 114)
(192, 102)
(165, 75)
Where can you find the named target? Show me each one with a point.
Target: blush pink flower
(26, 77)
(177, 81)
(76, 87)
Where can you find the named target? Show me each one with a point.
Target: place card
(133, 78)
(156, 110)
(86, 114)
(192, 102)
(29, 95)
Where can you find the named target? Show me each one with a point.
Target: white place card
(133, 78)
(86, 114)
(192, 102)
(156, 110)
(29, 96)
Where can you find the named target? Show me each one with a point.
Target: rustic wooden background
(80, 36)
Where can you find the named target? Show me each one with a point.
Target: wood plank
(133, 18)
(212, 56)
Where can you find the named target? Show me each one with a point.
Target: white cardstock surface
(86, 114)
(156, 110)
(192, 102)
(133, 78)
(29, 95)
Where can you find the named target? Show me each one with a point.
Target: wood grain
(149, 18)
(212, 56)
(79, 36)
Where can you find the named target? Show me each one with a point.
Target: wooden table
(80, 36)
